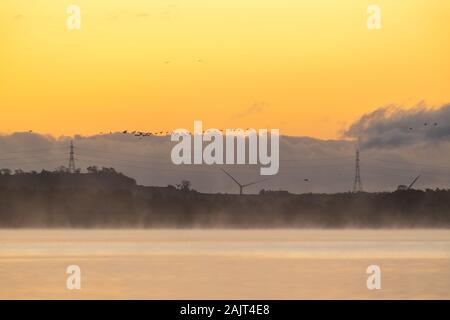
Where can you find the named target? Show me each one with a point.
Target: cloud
(393, 127)
(169, 11)
(256, 108)
(142, 15)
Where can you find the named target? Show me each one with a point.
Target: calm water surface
(225, 264)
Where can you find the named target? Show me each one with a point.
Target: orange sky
(307, 67)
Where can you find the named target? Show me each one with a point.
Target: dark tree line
(107, 199)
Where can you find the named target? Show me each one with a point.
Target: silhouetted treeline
(107, 199)
(95, 178)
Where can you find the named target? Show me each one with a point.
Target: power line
(36, 161)
(122, 159)
(115, 153)
(314, 159)
(33, 150)
(411, 163)
(88, 161)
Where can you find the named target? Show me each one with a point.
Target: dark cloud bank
(396, 145)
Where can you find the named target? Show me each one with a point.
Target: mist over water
(225, 264)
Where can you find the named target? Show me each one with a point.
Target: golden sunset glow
(307, 67)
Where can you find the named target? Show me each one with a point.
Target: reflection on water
(225, 264)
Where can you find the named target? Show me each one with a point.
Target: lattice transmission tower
(357, 184)
(72, 158)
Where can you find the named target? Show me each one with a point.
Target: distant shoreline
(110, 200)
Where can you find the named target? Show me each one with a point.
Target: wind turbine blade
(414, 181)
(231, 177)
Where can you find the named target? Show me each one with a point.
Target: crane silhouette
(242, 186)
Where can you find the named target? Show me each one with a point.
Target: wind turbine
(403, 187)
(242, 186)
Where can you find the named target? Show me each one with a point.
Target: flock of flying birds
(425, 124)
(140, 134)
(143, 134)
